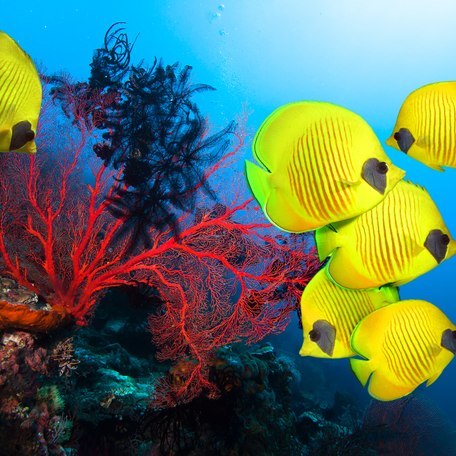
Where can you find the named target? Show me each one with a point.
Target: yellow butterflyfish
(399, 239)
(20, 98)
(329, 313)
(426, 125)
(320, 163)
(404, 344)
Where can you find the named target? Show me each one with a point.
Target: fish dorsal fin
(419, 189)
(435, 166)
(418, 186)
(11, 48)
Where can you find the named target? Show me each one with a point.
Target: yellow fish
(20, 98)
(399, 239)
(329, 314)
(320, 163)
(426, 125)
(405, 344)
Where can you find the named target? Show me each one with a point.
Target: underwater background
(259, 55)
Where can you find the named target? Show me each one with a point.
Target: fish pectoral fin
(434, 350)
(417, 248)
(423, 141)
(348, 182)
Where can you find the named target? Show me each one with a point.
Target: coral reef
(31, 413)
(225, 279)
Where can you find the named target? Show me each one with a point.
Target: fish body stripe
(440, 151)
(300, 182)
(385, 235)
(315, 166)
(320, 171)
(337, 140)
(7, 78)
(342, 309)
(405, 345)
(15, 86)
(450, 125)
(435, 113)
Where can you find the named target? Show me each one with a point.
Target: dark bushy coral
(153, 132)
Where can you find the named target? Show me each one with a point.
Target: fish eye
(382, 167)
(29, 135)
(445, 240)
(397, 136)
(314, 335)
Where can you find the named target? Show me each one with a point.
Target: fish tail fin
(274, 200)
(257, 179)
(390, 293)
(326, 240)
(362, 368)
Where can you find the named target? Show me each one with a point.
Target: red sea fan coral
(227, 277)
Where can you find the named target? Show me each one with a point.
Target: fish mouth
(391, 142)
(397, 174)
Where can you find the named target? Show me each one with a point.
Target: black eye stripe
(374, 173)
(437, 244)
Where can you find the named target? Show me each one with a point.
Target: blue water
(366, 56)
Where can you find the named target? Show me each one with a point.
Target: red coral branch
(229, 277)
